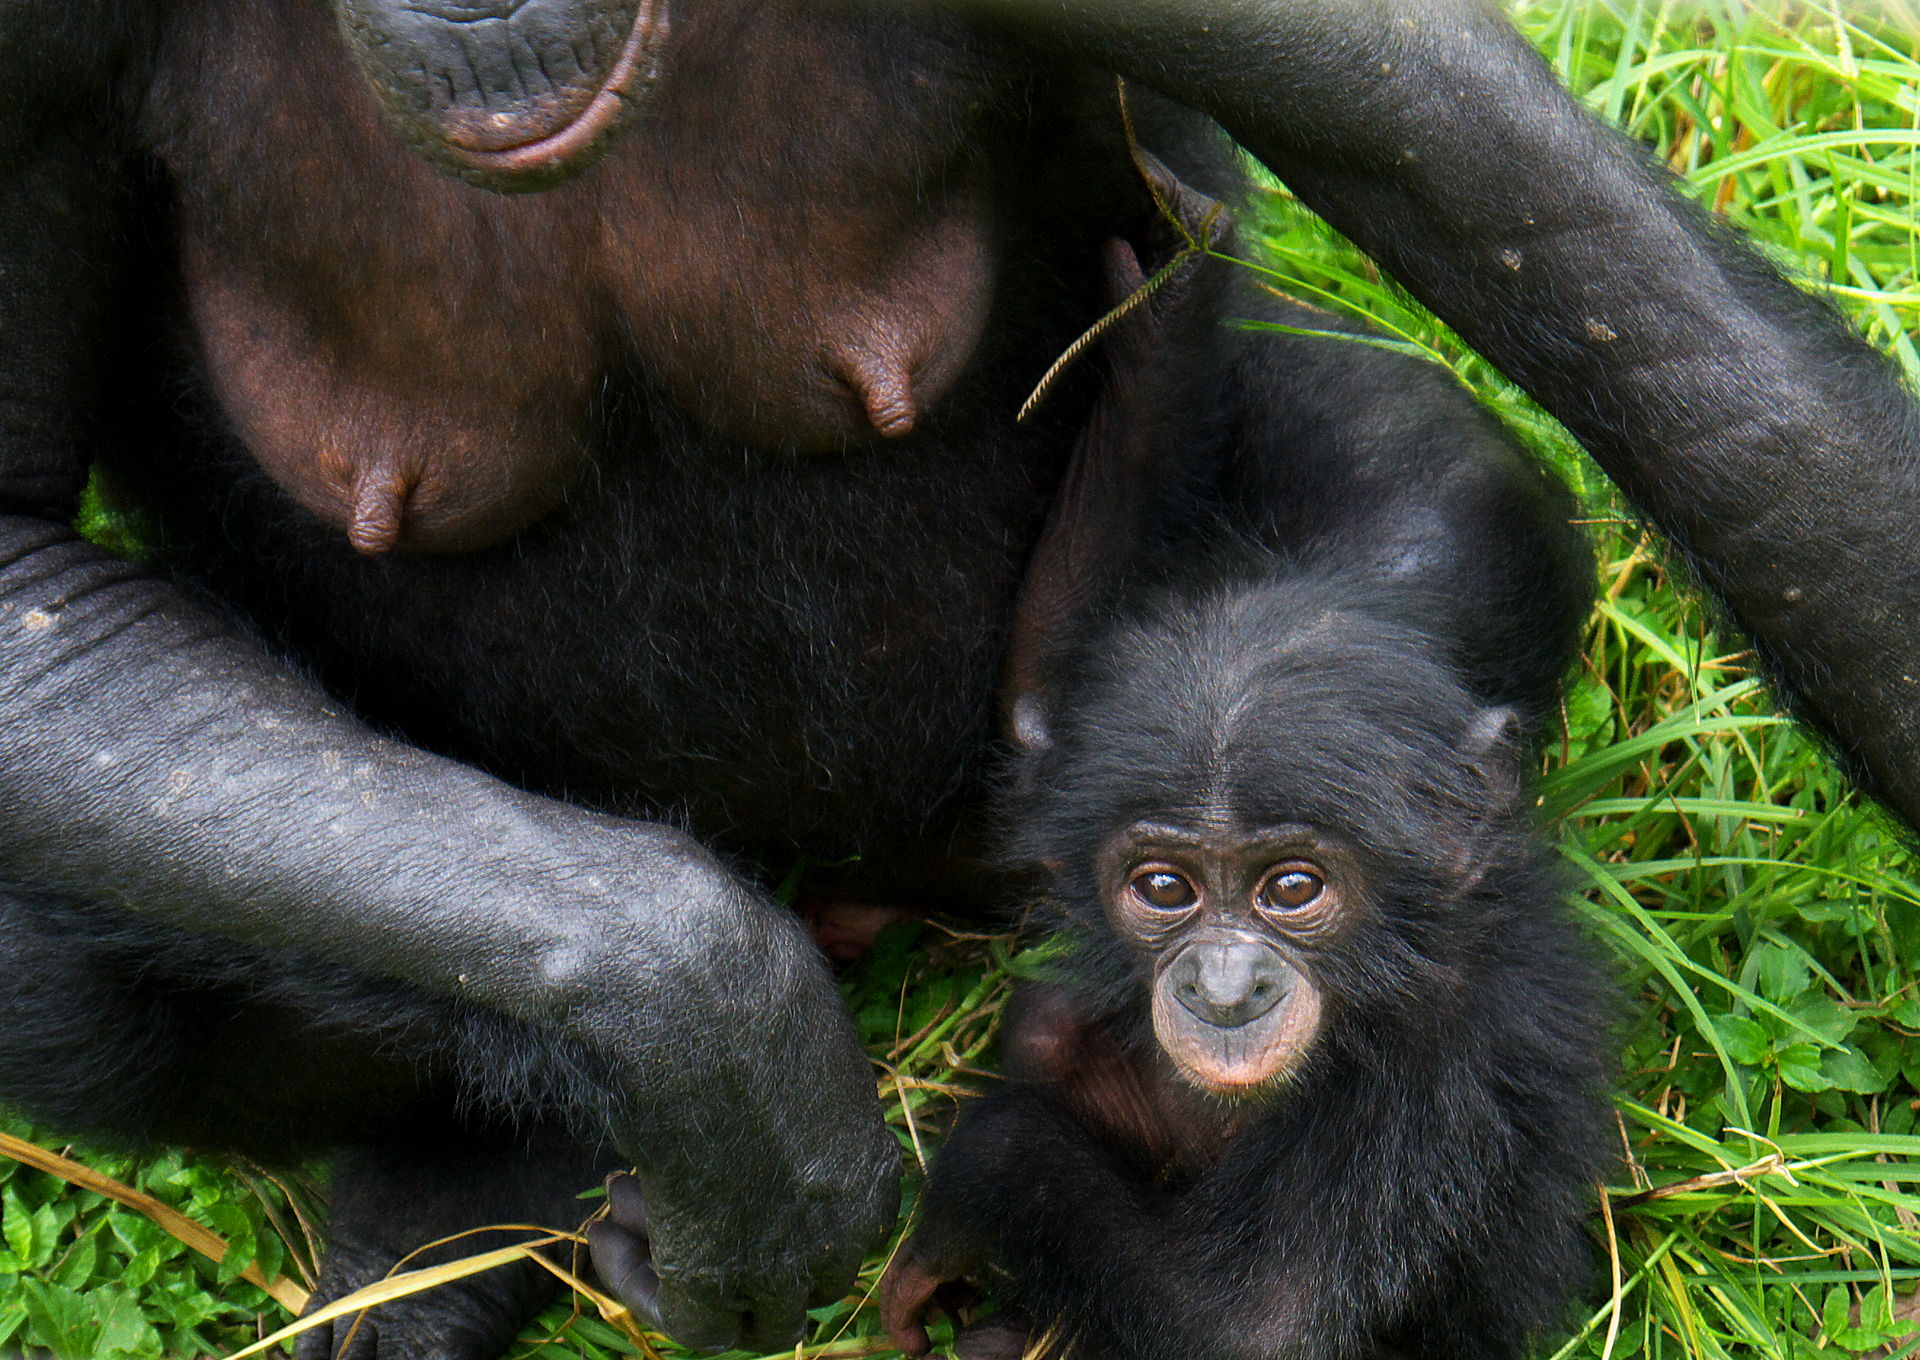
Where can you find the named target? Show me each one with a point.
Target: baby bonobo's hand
(905, 1296)
(911, 1289)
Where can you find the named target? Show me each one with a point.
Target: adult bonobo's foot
(389, 1201)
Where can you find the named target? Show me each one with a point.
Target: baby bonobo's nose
(1229, 983)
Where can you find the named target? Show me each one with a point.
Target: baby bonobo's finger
(904, 1296)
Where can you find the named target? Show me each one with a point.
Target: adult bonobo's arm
(152, 756)
(1778, 451)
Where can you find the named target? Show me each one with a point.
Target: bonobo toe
(390, 1200)
(474, 1319)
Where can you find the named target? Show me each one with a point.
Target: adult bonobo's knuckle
(696, 1322)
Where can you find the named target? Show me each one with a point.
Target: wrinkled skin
(450, 489)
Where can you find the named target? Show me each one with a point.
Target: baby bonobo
(1321, 1075)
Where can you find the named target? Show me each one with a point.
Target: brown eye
(1162, 888)
(1289, 888)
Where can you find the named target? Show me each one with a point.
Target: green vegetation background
(1766, 926)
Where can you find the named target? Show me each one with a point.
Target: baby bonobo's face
(1228, 923)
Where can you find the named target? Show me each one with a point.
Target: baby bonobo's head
(1277, 824)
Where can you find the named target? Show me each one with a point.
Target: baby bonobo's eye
(1162, 887)
(1289, 887)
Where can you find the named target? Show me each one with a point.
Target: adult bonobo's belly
(778, 650)
(690, 487)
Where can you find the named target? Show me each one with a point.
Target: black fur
(228, 888)
(1419, 1186)
(1343, 680)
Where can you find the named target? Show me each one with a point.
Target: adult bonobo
(490, 531)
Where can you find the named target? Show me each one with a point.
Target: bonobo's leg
(1777, 451)
(130, 1030)
(450, 1184)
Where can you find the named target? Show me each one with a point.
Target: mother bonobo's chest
(797, 243)
(691, 482)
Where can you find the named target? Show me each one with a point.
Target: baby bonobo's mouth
(511, 95)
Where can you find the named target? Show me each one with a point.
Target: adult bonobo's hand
(764, 1172)
(155, 757)
(748, 1107)
(1780, 453)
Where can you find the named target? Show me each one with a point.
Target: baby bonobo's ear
(1195, 218)
(1152, 406)
(1494, 746)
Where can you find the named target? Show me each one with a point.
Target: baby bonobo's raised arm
(155, 759)
(1777, 451)
(1130, 464)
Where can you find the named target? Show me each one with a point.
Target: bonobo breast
(691, 486)
(412, 359)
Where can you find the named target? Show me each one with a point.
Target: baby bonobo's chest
(415, 361)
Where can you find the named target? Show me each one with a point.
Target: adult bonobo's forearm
(1775, 448)
(154, 757)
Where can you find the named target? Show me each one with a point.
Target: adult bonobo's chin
(509, 94)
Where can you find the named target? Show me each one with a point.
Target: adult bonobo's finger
(627, 1202)
(624, 1263)
(832, 1271)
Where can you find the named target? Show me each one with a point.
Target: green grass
(1766, 924)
